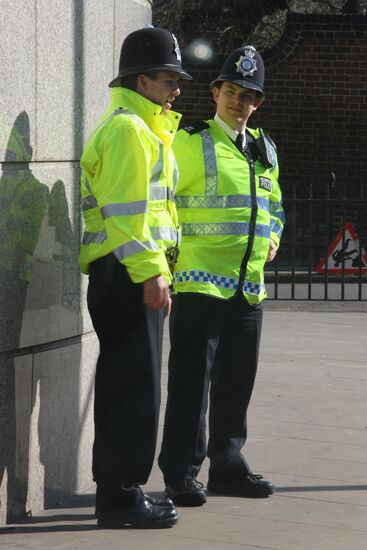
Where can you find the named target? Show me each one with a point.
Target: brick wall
(316, 101)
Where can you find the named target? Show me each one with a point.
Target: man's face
(162, 89)
(235, 104)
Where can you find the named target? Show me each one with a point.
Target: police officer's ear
(215, 92)
(142, 84)
(259, 100)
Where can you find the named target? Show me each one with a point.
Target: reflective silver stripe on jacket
(221, 201)
(276, 228)
(164, 233)
(211, 170)
(158, 193)
(158, 167)
(124, 209)
(175, 176)
(219, 281)
(233, 228)
(133, 247)
(276, 210)
(97, 237)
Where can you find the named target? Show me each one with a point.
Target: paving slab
(307, 434)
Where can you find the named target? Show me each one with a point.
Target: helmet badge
(247, 63)
(177, 49)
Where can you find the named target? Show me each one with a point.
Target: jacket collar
(164, 125)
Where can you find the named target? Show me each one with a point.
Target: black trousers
(127, 382)
(213, 343)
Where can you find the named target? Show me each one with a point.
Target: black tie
(239, 142)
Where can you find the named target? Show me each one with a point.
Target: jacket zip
(251, 235)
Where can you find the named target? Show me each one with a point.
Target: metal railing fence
(323, 249)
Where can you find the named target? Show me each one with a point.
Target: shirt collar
(231, 133)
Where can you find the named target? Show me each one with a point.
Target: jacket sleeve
(277, 218)
(182, 152)
(121, 188)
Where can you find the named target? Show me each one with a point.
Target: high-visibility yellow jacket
(229, 209)
(128, 176)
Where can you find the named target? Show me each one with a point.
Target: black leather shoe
(187, 493)
(163, 501)
(144, 515)
(251, 485)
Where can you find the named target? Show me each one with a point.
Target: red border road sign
(335, 253)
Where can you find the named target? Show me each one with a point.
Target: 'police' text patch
(265, 183)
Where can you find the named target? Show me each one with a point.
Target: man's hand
(272, 251)
(156, 293)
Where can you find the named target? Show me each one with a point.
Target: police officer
(230, 210)
(128, 172)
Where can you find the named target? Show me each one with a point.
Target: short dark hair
(218, 84)
(130, 81)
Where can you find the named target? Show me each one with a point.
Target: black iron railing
(323, 248)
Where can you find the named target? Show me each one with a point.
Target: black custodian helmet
(244, 67)
(149, 49)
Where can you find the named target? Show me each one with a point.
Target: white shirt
(231, 133)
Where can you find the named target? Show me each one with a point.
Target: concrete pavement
(307, 434)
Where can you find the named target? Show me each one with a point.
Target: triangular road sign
(354, 257)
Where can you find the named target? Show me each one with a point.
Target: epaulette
(196, 127)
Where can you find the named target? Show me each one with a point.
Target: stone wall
(57, 58)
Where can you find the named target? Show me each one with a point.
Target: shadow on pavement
(309, 488)
(31, 530)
